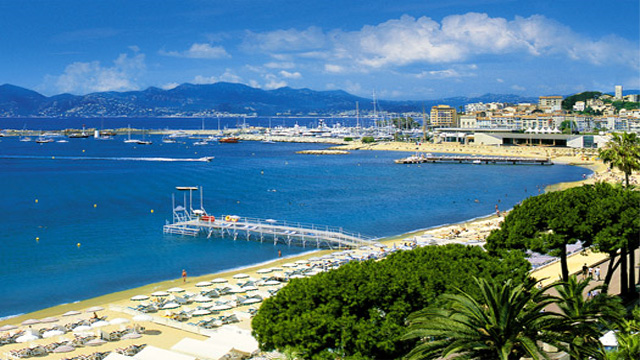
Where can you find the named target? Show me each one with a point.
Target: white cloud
(199, 51)
(291, 40)
(227, 76)
(280, 65)
(88, 77)
(333, 68)
(273, 82)
(518, 88)
(169, 86)
(455, 39)
(288, 75)
(499, 80)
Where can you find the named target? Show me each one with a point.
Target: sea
(84, 218)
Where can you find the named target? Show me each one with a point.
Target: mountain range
(209, 100)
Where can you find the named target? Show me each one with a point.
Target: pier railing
(290, 232)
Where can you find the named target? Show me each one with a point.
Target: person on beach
(597, 271)
(279, 253)
(585, 270)
(184, 276)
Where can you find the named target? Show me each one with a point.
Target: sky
(399, 49)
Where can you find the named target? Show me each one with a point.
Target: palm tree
(623, 153)
(628, 339)
(585, 319)
(504, 324)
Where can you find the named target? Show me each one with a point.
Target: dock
(188, 221)
(471, 159)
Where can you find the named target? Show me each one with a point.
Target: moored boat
(229, 140)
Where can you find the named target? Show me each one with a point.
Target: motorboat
(229, 140)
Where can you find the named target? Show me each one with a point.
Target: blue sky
(403, 49)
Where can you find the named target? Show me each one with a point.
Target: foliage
(368, 139)
(568, 127)
(348, 139)
(584, 319)
(628, 105)
(628, 339)
(623, 153)
(567, 103)
(359, 310)
(504, 322)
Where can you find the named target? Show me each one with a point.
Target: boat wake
(159, 159)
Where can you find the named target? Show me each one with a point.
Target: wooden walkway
(469, 159)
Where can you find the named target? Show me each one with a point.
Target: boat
(25, 139)
(201, 143)
(229, 140)
(43, 139)
(477, 162)
(129, 140)
(169, 140)
(82, 135)
(143, 142)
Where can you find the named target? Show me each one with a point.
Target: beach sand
(160, 335)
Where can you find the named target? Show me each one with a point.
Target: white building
(579, 106)
(618, 92)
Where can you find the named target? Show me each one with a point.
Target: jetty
(472, 159)
(188, 221)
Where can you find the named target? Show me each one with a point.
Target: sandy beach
(162, 332)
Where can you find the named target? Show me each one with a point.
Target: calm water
(106, 206)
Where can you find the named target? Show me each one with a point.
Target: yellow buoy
(36, 201)
(78, 244)
(37, 239)
(82, 150)
(95, 205)
(152, 211)
(53, 158)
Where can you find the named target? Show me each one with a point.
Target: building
(550, 103)
(468, 121)
(618, 92)
(579, 106)
(443, 116)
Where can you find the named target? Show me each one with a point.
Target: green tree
(504, 323)
(567, 103)
(584, 319)
(628, 339)
(623, 153)
(547, 224)
(368, 139)
(359, 310)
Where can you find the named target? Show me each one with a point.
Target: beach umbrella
(264, 271)
(160, 293)
(100, 323)
(95, 342)
(31, 322)
(52, 333)
(131, 336)
(71, 313)
(250, 301)
(272, 282)
(296, 276)
(221, 307)
(203, 284)
(237, 290)
(175, 290)
(94, 309)
(201, 312)
(49, 319)
(8, 327)
(142, 317)
(63, 349)
(140, 298)
(219, 281)
(82, 328)
(119, 321)
(315, 258)
(302, 262)
(240, 276)
(609, 339)
(202, 299)
(170, 305)
(249, 288)
(26, 338)
(275, 269)
(289, 265)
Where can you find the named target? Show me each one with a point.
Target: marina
(472, 159)
(194, 222)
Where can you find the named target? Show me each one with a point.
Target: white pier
(195, 222)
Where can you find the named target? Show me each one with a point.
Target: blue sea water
(79, 192)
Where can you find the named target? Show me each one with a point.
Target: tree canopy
(359, 310)
(569, 101)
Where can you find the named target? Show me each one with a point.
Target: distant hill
(205, 100)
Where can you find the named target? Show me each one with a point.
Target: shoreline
(471, 231)
(387, 146)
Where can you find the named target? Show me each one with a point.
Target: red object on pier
(209, 218)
